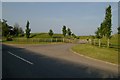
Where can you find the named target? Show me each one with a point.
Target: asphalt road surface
(51, 61)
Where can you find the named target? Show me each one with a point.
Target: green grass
(84, 37)
(39, 38)
(45, 35)
(105, 54)
(114, 42)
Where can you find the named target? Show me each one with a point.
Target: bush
(20, 35)
(9, 39)
(78, 38)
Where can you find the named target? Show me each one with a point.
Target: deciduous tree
(64, 30)
(118, 30)
(27, 30)
(5, 29)
(51, 32)
(69, 32)
(108, 20)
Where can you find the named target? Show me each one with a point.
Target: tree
(27, 30)
(5, 29)
(18, 31)
(108, 23)
(118, 30)
(69, 32)
(74, 35)
(21, 32)
(0, 27)
(0, 24)
(105, 28)
(99, 35)
(51, 32)
(64, 30)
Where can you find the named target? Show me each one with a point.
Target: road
(51, 61)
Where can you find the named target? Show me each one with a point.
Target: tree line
(16, 31)
(65, 31)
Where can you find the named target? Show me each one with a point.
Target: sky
(119, 13)
(82, 18)
(59, 0)
(0, 9)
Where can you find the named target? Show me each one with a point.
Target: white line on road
(20, 58)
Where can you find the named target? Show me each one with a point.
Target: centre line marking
(20, 58)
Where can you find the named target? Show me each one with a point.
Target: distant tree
(27, 30)
(74, 35)
(0, 24)
(5, 29)
(21, 32)
(17, 30)
(64, 30)
(51, 32)
(0, 29)
(11, 32)
(69, 32)
(118, 30)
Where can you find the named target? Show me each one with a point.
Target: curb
(93, 58)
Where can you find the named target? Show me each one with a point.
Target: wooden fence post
(56, 39)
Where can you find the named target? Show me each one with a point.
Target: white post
(63, 39)
(51, 39)
(90, 41)
(99, 42)
(56, 39)
(94, 41)
(108, 43)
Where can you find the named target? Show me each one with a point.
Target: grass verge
(105, 54)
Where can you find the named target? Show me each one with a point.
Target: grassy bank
(38, 38)
(105, 54)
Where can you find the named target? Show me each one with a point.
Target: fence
(104, 43)
(43, 40)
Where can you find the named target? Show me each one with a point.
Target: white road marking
(20, 58)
